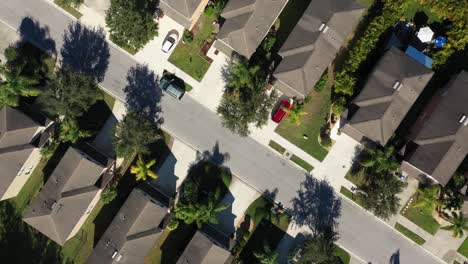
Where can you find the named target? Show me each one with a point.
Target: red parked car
(280, 113)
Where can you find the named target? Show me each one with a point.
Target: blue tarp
(419, 56)
(440, 41)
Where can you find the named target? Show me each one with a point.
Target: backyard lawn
(317, 109)
(463, 249)
(409, 234)
(186, 56)
(421, 216)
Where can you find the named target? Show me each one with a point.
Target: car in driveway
(171, 85)
(169, 42)
(280, 113)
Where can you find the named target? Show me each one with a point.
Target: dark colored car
(170, 85)
(280, 113)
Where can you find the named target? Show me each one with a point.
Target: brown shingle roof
(442, 142)
(381, 107)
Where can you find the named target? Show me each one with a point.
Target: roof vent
(118, 258)
(326, 29)
(321, 26)
(396, 84)
(114, 254)
(54, 205)
(462, 119)
(466, 123)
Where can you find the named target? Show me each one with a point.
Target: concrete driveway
(152, 54)
(240, 196)
(174, 170)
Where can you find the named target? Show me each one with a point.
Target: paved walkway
(8, 36)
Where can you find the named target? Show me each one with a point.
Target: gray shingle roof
(133, 232)
(247, 23)
(180, 10)
(16, 135)
(308, 51)
(65, 196)
(443, 140)
(204, 249)
(381, 108)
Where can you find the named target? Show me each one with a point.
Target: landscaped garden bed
(187, 56)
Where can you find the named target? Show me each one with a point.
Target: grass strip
(302, 163)
(277, 147)
(409, 234)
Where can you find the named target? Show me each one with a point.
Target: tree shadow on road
(395, 258)
(142, 92)
(316, 205)
(20, 244)
(33, 32)
(85, 50)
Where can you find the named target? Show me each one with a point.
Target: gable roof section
(207, 246)
(65, 196)
(180, 10)
(133, 232)
(247, 23)
(442, 142)
(381, 108)
(308, 51)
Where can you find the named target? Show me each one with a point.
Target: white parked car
(169, 42)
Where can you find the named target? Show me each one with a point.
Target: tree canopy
(131, 22)
(320, 249)
(16, 86)
(133, 134)
(70, 94)
(245, 101)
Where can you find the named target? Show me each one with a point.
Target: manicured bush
(187, 37)
(322, 83)
(326, 141)
(173, 225)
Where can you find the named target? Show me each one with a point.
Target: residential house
(184, 12)
(390, 91)
(313, 44)
(22, 134)
(440, 143)
(134, 230)
(69, 195)
(207, 246)
(246, 24)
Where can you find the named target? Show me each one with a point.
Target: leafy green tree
(133, 134)
(16, 86)
(70, 131)
(295, 114)
(339, 106)
(320, 249)
(266, 256)
(48, 150)
(200, 212)
(109, 194)
(70, 94)
(380, 195)
(458, 224)
(428, 197)
(378, 161)
(131, 22)
(142, 169)
(244, 101)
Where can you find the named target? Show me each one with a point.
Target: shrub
(11, 54)
(326, 141)
(173, 225)
(322, 83)
(339, 106)
(49, 149)
(187, 37)
(109, 194)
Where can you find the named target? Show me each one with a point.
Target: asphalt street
(201, 128)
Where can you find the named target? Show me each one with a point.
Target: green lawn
(256, 209)
(366, 3)
(302, 163)
(356, 178)
(463, 249)
(348, 193)
(415, 6)
(422, 216)
(409, 234)
(186, 56)
(317, 110)
(343, 255)
(276, 147)
(69, 9)
(108, 99)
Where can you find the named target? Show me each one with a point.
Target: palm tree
(16, 86)
(70, 131)
(242, 75)
(459, 224)
(379, 161)
(266, 256)
(428, 197)
(142, 169)
(295, 114)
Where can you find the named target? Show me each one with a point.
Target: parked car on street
(169, 42)
(171, 85)
(280, 113)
